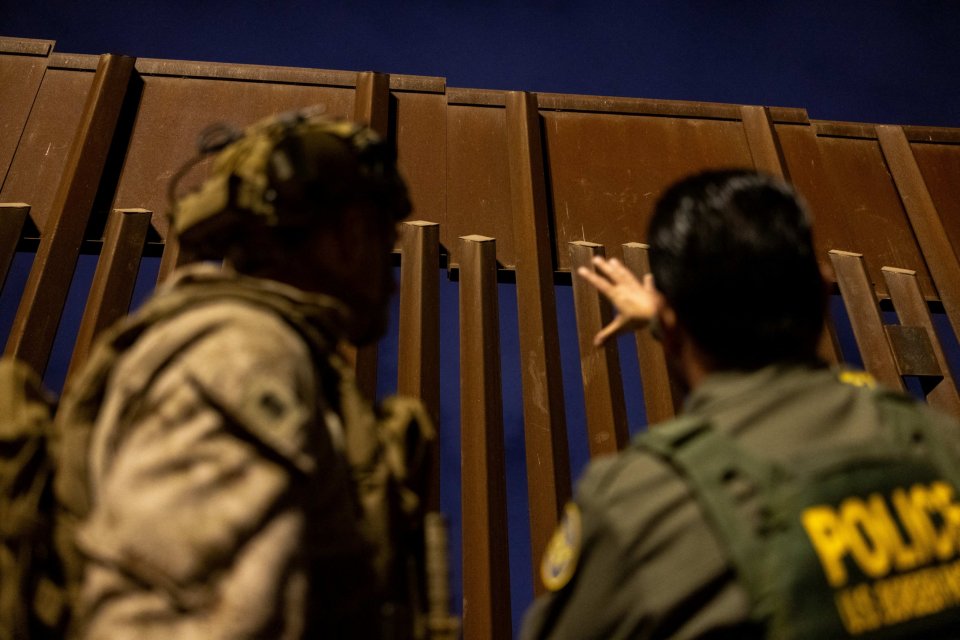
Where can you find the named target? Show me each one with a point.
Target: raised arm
(637, 302)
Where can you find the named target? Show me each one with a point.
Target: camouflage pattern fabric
(221, 499)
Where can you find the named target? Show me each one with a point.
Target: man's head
(732, 254)
(305, 200)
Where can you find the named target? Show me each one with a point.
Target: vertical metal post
(418, 357)
(12, 218)
(599, 367)
(544, 418)
(661, 393)
(486, 574)
(113, 281)
(865, 318)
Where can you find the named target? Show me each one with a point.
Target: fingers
(602, 284)
(615, 270)
(612, 329)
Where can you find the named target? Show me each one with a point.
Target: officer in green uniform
(738, 302)
(233, 482)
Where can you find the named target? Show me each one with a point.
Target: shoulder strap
(711, 463)
(910, 428)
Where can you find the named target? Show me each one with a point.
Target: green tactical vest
(863, 542)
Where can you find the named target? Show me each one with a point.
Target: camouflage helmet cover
(285, 171)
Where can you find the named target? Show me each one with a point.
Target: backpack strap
(721, 476)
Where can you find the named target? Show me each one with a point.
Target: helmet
(285, 171)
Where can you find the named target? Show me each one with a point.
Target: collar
(322, 317)
(723, 389)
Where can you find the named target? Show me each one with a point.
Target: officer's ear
(666, 320)
(669, 330)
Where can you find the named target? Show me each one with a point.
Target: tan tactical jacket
(215, 500)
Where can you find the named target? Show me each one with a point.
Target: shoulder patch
(563, 550)
(857, 379)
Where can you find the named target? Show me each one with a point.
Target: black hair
(732, 252)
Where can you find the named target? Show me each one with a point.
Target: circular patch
(563, 550)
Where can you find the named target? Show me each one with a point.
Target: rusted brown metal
(26, 46)
(607, 171)
(544, 420)
(422, 151)
(42, 145)
(22, 65)
(654, 107)
(912, 310)
(828, 347)
(599, 366)
(38, 315)
(372, 103)
(113, 281)
(477, 179)
(371, 106)
(912, 351)
(941, 259)
(171, 258)
(486, 574)
(12, 218)
(418, 355)
(864, 313)
(939, 161)
(761, 139)
(865, 201)
(662, 395)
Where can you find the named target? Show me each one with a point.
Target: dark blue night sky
(879, 61)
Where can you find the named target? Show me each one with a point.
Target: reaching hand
(637, 302)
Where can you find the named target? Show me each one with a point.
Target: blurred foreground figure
(789, 500)
(235, 483)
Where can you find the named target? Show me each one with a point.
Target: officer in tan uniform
(233, 485)
(647, 548)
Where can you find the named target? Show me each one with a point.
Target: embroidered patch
(858, 379)
(563, 550)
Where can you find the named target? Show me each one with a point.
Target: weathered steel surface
(12, 218)
(22, 65)
(806, 168)
(662, 394)
(941, 257)
(867, 207)
(486, 575)
(478, 180)
(939, 162)
(38, 315)
(418, 355)
(113, 281)
(912, 311)
(422, 151)
(371, 106)
(40, 162)
(608, 170)
(599, 366)
(544, 420)
(764, 147)
(171, 258)
(912, 350)
(864, 313)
